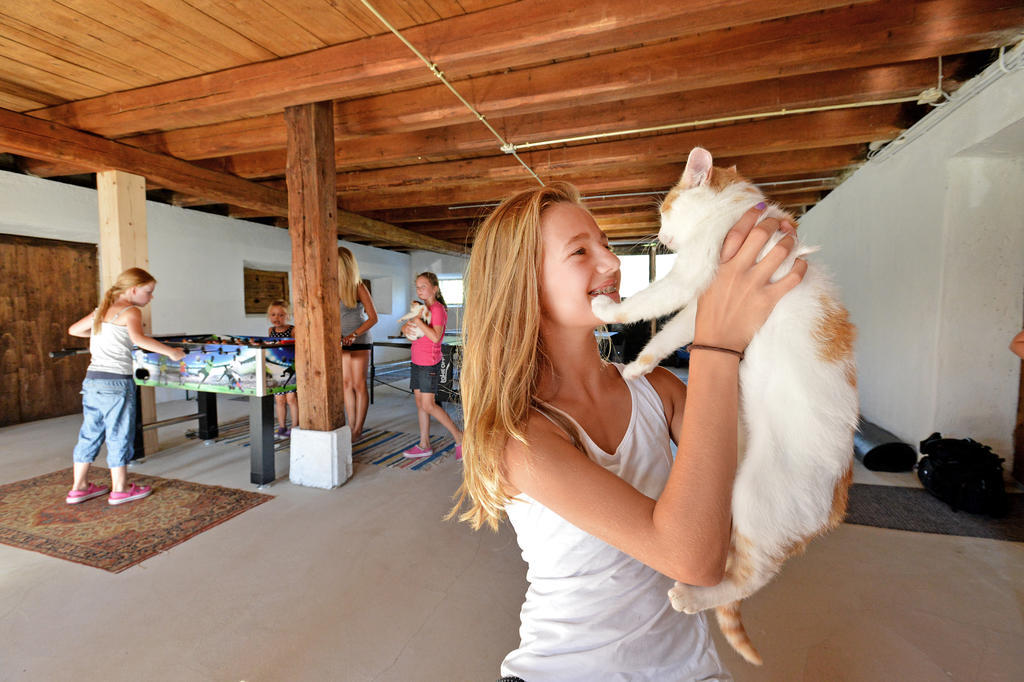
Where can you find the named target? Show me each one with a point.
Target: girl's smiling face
(425, 291)
(278, 317)
(577, 265)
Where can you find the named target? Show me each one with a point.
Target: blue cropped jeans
(108, 410)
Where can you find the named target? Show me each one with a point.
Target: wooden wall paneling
(10, 356)
(37, 309)
(312, 218)
(124, 244)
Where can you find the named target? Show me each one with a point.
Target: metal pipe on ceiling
(708, 121)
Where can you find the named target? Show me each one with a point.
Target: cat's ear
(698, 168)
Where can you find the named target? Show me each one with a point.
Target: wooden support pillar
(123, 245)
(312, 223)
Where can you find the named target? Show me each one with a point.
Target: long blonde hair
(502, 352)
(348, 277)
(132, 277)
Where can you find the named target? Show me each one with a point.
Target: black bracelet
(696, 346)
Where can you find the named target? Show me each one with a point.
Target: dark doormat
(33, 515)
(915, 509)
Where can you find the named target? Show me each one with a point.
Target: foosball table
(258, 367)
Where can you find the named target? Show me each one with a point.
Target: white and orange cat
(416, 309)
(798, 395)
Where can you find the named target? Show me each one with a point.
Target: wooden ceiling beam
(32, 137)
(824, 42)
(28, 136)
(642, 190)
(514, 35)
(811, 162)
(233, 143)
(797, 198)
(790, 133)
(854, 37)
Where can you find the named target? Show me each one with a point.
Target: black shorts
(357, 346)
(425, 378)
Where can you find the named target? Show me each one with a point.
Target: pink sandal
(78, 496)
(134, 492)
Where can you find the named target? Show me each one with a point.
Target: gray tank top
(351, 318)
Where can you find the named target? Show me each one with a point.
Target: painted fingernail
(761, 206)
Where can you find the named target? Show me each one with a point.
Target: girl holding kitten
(425, 374)
(579, 459)
(277, 313)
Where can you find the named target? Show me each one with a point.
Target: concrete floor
(366, 582)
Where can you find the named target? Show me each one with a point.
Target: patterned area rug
(385, 448)
(33, 515)
(915, 509)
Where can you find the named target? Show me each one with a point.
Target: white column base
(321, 459)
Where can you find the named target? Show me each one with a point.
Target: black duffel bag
(963, 473)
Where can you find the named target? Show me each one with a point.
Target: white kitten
(416, 309)
(798, 396)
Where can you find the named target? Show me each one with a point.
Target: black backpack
(963, 473)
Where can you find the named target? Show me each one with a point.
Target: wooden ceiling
(191, 94)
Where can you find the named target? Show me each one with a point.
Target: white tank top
(591, 611)
(111, 349)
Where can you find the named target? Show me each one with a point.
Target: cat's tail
(731, 625)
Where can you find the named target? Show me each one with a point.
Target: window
(635, 269)
(451, 289)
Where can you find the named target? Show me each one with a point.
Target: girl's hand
(741, 297)
(348, 340)
(176, 354)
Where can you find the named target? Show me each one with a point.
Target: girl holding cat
(426, 366)
(579, 459)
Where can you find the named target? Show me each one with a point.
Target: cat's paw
(605, 309)
(683, 598)
(639, 367)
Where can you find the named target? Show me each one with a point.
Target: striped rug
(385, 448)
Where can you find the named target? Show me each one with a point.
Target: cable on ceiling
(504, 145)
(712, 121)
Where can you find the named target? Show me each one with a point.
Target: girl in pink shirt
(426, 366)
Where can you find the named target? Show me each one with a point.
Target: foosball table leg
(206, 404)
(261, 438)
(139, 448)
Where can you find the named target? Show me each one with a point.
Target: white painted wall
(198, 258)
(927, 244)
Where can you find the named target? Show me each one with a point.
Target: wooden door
(46, 285)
